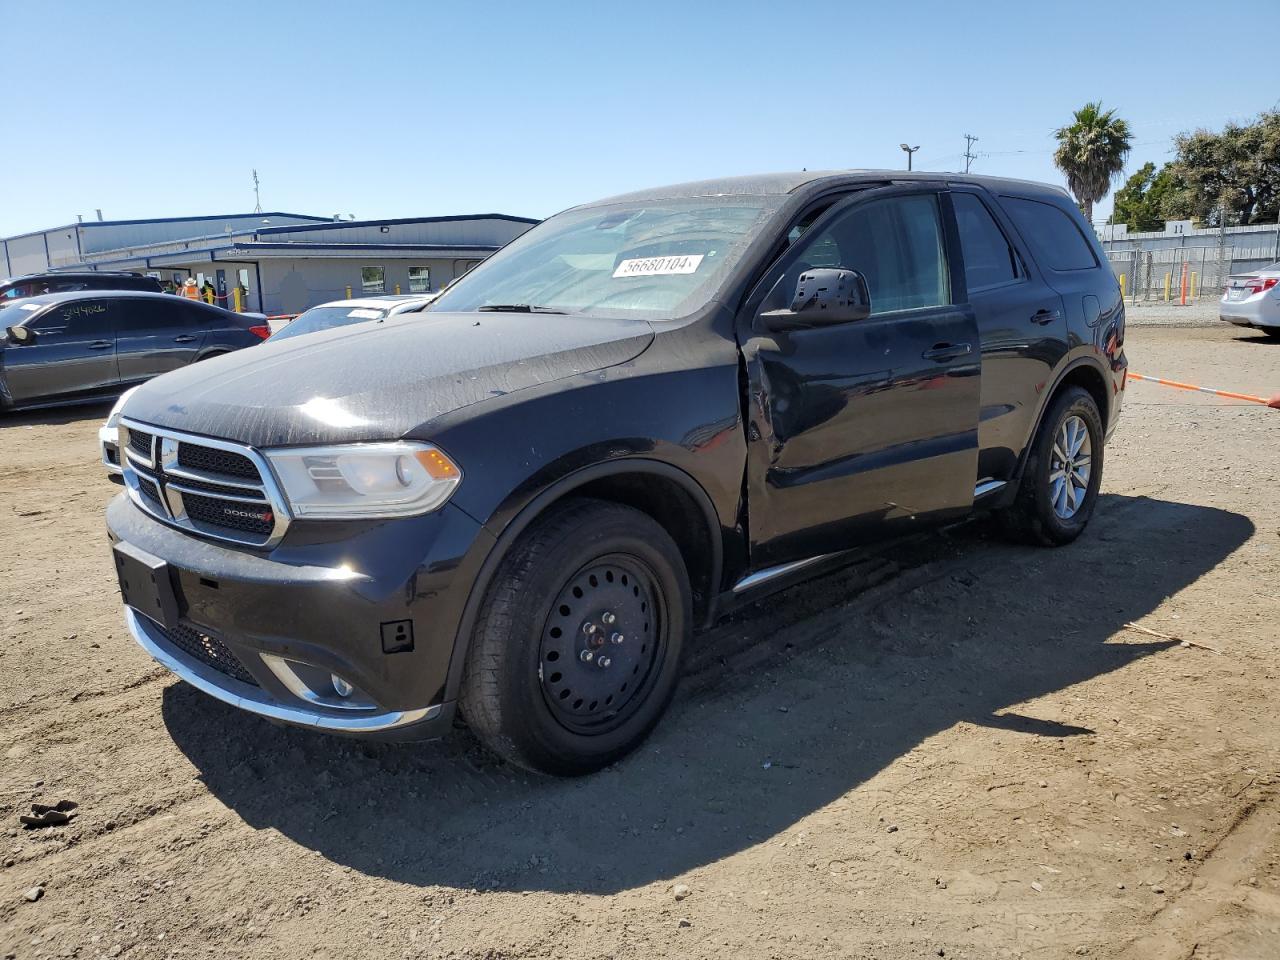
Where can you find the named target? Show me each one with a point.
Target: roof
(72, 295)
(348, 224)
(779, 184)
(388, 300)
(63, 274)
(125, 223)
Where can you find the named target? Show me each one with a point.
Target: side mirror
(21, 335)
(824, 296)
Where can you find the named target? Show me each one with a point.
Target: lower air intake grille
(208, 650)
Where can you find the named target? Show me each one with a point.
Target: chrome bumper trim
(250, 698)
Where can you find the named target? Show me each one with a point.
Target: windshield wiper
(516, 308)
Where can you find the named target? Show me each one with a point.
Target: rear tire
(1060, 481)
(576, 652)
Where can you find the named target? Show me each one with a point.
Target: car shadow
(1259, 337)
(55, 416)
(791, 704)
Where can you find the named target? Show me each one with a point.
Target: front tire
(1060, 481)
(576, 652)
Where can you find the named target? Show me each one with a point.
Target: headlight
(113, 418)
(364, 479)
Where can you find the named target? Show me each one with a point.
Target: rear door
(862, 429)
(74, 354)
(1021, 323)
(158, 334)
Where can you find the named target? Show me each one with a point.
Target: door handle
(1041, 317)
(947, 351)
(102, 344)
(185, 338)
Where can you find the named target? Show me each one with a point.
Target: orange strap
(1274, 402)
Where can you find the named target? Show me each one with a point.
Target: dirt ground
(960, 749)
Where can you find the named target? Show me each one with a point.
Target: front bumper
(377, 605)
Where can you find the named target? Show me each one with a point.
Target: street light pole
(909, 152)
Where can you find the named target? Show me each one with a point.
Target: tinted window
(895, 243)
(81, 320)
(141, 316)
(1053, 234)
(989, 259)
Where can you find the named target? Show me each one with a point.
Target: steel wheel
(601, 644)
(1070, 467)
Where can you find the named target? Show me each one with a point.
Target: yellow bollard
(397, 289)
(1168, 286)
(348, 291)
(1193, 284)
(239, 306)
(1122, 286)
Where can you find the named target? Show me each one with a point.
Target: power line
(969, 156)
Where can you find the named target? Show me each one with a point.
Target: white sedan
(338, 313)
(1253, 300)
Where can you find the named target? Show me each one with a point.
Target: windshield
(326, 318)
(645, 260)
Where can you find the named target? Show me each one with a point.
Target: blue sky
(385, 109)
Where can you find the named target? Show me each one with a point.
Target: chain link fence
(1182, 274)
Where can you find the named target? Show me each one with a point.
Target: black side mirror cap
(824, 296)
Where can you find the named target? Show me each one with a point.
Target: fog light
(340, 686)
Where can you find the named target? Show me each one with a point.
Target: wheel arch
(1085, 373)
(666, 493)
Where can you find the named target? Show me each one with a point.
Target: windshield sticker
(364, 313)
(658, 266)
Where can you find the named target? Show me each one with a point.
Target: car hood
(379, 381)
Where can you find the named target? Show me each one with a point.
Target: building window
(419, 279)
(372, 280)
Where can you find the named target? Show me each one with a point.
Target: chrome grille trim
(163, 471)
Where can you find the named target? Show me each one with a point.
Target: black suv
(36, 284)
(635, 416)
(74, 347)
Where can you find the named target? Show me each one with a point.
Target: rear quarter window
(1054, 236)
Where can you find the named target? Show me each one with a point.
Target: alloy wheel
(1070, 467)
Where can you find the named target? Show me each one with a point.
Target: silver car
(1253, 300)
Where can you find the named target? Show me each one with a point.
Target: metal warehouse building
(278, 262)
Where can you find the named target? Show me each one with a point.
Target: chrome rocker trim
(249, 698)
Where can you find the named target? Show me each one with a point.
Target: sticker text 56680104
(658, 266)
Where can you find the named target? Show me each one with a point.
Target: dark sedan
(90, 345)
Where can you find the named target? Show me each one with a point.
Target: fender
(535, 507)
(1087, 360)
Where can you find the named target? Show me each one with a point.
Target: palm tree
(1091, 153)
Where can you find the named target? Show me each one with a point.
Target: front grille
(213, 460)
(149, 489)
(250, 517)
(208, 650)
(140, 443)
(185, 487)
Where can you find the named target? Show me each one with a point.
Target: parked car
(37, 284)
(1253, 300)
(636, 416)
(340, 313)
(75, 347)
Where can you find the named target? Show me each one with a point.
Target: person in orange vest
(190, 290)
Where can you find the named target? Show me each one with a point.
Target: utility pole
(909, 152)
(257, 200)
(969, 155)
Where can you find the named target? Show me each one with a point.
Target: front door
(862, 429)
(73, 354)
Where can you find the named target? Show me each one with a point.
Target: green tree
(1091, 153)
(1238, 168)
(1145, 201)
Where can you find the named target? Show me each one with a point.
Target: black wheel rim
(602, 645)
